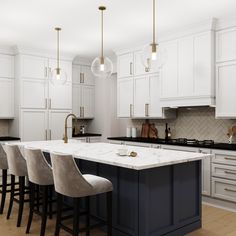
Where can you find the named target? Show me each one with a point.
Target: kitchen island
(156, 193)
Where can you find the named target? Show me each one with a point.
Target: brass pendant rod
(102, 38)
(58, 49)
(154, 21)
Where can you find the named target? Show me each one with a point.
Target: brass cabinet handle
(46, 135)
(230, 190)
(50, 134)
(46, 103)
(80, 111)
(230, 172)
(49, 103)
(130, 68)
(146, 109)
(230, 159)
(83, 77)
(130, 110)
(83, 112)
(46, 72)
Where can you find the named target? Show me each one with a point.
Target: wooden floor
(216, 222)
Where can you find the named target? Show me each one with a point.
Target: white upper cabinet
(125, 91)
(87, 76)
(34, 67)
(169, 71)
(6, 98)
(225, 45)
(6, 66)
(76, 100)
(141, 96)
(125, 65)
(225, 90)
(187, 77)
(33, 94)
(60, 96)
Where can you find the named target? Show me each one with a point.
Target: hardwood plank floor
(216, 222)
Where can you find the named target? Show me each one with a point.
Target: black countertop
(8, 138)
(85, 135)
(222, 146)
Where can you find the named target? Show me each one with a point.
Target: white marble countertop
(106, 153)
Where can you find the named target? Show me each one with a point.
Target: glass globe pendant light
(102, 66)
(58, 76)
(152, 57)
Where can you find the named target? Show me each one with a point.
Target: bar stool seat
(70, 182)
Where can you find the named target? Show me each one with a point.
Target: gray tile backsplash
(4, 127)
(199, 123)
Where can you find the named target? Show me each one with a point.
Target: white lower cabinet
(138, 144)
(56, 125)
(6, 98)
(33, 125)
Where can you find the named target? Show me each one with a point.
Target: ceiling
(30, 23)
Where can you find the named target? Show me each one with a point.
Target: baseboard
(225, 205)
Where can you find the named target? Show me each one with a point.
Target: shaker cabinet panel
(6, 66)
(33, 125)
(225, 90)
(76, 99)
(33, 94)
(6, 98)
(125, 65)
(87, 100)
(34, 67)
(169, 71)
(141, 96)
(125, 92)
(60, 96)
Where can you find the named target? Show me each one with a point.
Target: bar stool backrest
(39, 171)
(68, 179)
(3, 159)
(16, 162)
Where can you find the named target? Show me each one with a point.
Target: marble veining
(106, 153)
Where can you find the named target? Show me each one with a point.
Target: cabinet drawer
(224, 189)
(224, 171)
(224, 157)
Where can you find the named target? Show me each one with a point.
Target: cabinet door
(225, 90)
(169, 71)
(33, 125)
(6, 66)
(56, 126)
(87, 76)
(76, 99)
(185, 66)
(125, 65)
(60, 96)
(141, 96)
(139, 68)
(6, 98)
(155, 109)
(125, 97)
(206, 173)
(87, 97)
(225, 45)
(76, 74)
(34, 67)
(66, 67)
(33, 94)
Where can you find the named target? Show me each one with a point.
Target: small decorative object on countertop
(134, 132)
(145, 129)
(128, 132)
(232, 134)
(153, 132)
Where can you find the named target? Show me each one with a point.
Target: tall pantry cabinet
(41, 107)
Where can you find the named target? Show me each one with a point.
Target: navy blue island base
(152, 202)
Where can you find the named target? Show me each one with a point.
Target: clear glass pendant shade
(153, 59)
(58, 77)
(102, 70)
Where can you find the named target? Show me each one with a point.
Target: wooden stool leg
(109, 214)
(59, 210)
(37, 196)
(32, 197)
(76, 216)
(88, 216)
(50, 201)
(4, 190)
(11, 196)
(44, 211)
(21, 199)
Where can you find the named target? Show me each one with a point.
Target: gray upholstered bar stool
(17, 167)
(39, 173)
(4, 185)
(70, 182)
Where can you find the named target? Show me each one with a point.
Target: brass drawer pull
(230, 190)
(146, 109)
(230, 159)
(131, 110)
(131, 68)
(230, 172)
